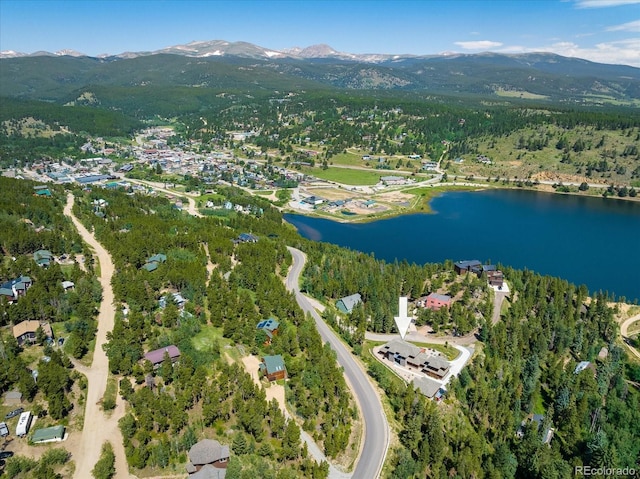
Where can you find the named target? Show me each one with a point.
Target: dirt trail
(99, 427)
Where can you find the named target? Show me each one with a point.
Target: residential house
(273, 368)
(177, 298)
(436, 367)
(208, 459)
(15, 288)
(427, 387)
(463, 267)
(154, 261)
(25, 331)
(369, 204)
(413, 357)
(436, 301)
(346, 304)
(270, 327)
(247, 238)
(536, 420)
(495, 278)
(157, 355)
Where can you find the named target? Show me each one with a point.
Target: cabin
(43, 257)
(270, 327)
(345, 305)
(25, 331)
(154, 261)
(208, 459)
(156, 356)
(273, 368)
(436, 301)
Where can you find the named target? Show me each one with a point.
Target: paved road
(98, 427)
(624, 328)
(376, 428)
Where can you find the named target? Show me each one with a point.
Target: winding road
(376, 428)
(98, 427)
(624, 332)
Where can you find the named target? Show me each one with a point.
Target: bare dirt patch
(395, 197)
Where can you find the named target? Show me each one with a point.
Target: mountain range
(219, 65)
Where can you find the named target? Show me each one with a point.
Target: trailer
(24, 423)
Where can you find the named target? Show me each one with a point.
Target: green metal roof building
(48, 434)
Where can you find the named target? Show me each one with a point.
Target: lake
(591, 241)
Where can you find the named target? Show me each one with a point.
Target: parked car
(6, 454)
(14, 413)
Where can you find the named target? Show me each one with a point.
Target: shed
(48, 434)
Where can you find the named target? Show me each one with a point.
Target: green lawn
(348, 176)
(446, 349)
(206, 338)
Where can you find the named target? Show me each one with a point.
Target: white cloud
(624, 52)
(604, 3)
(478, 45)
(626, 27)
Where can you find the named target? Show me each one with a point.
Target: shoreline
(423, 205)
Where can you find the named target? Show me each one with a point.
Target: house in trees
(43, 257)
(208, 459)
(494, 275)
(25, 332)
(346, 304)
(537, 421)
(154, 261)
(15, 288)
(273, 368)
(156, 356)
(463, 267)
(270, 327)
(247, 238)
(436, 301)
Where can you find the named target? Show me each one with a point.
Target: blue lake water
(591, 241)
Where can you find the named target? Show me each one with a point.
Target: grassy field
(347, 176)
(520, 94)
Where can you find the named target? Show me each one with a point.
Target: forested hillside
(526, 365)
(170, 407)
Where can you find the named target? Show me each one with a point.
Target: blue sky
(606, 31)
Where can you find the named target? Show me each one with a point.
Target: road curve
(376, 428)
(624, 327)
(99, 427)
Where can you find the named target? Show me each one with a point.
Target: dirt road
(99, 427)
